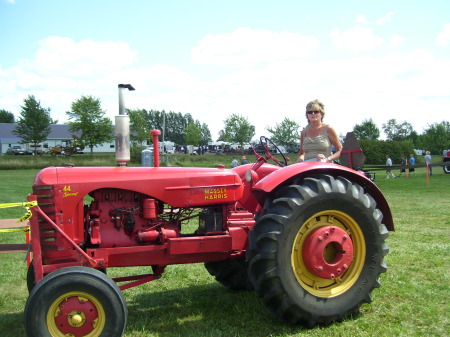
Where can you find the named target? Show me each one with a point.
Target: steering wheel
(266, 142)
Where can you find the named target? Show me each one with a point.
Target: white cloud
(361, 19)
(384, 19)
(404, 87)
(69, 58)
(443, 39)
(246, 46)
(396, 40)
(356, 39)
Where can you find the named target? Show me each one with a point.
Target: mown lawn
(413, 299)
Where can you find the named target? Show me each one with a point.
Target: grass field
(413, 299)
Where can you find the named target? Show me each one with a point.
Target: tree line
(87, 119)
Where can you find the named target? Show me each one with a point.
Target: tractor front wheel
(76, 301)
(317, 252)
(447, 167)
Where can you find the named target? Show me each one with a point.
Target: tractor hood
(176, 186)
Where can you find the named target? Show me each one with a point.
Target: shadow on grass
(197, 310)
(205, 310)
(11, 325)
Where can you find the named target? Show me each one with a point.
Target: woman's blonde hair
(315, 105)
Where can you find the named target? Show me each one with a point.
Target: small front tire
(76, 301)
(447, 168)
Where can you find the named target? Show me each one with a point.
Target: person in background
(412, 162)
(234, 163)
(244, 160)
(388, 170)
(428, 162)
(402, 167)
(317, 138)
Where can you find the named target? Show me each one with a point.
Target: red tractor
(308, 238)
(446, 160)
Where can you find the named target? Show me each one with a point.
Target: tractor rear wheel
(317, 252)
(232, 274)
(76, 301)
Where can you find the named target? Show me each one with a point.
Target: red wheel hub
(76, 316)
(328, 252)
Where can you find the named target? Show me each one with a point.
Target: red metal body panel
(278, 177)
(176, 186)
(66, 233)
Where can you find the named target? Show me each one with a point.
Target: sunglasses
(313, 112)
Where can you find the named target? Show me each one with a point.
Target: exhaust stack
(122, 129)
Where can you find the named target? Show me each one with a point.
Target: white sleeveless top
(320, 144)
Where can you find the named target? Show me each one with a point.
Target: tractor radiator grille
(46, 201)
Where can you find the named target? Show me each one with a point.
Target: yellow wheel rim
(76, 314)
(307, 277)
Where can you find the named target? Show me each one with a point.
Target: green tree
(237, 129)
(286, 133)
(34, 124)
(139, 127)
(193, 135)
(366, 130)
(6, 116)
(87, 119)
(205, 134)
(396, 131)
(376, 150)
(437, 137)
(172, 125)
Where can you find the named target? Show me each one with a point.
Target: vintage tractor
(308, 238)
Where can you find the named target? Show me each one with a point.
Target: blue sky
(261, 59)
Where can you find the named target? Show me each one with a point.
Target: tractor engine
(120, 218)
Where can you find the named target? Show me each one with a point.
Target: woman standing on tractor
(317, 138)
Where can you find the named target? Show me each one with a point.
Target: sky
(263, 60)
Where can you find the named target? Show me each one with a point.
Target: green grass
(413, 299)
(9, 162)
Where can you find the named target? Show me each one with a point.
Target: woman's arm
(337, 144)
(301, 152)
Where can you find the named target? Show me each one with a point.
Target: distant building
(58, 135)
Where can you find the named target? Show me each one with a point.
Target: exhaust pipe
(122, 129)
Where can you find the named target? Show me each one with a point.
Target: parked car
(16, 150)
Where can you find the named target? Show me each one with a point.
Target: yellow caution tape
(26, 205)
(8, 230)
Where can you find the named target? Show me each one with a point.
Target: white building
(59, 134)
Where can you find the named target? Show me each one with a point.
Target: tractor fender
(286, 175)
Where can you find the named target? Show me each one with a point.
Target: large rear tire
(317, 252)
(76, 301)
(232, 274)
